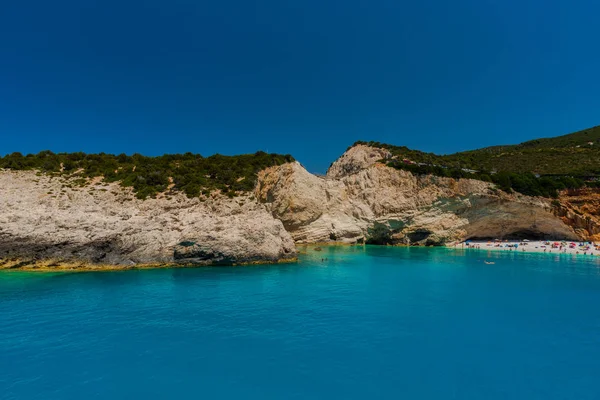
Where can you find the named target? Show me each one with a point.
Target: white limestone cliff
(361, 200)
(46, 221)
(42, 219)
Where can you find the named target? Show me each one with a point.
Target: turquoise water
(367, 323)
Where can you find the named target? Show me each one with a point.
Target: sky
(300, 77)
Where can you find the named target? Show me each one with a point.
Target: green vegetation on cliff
(525, 183)
(148, 176)
(576, 154)
(540, 167)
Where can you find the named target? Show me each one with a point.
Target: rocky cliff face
(44, 221)
(355, 159)
(47, 221)
(362, 200)
(581, 209)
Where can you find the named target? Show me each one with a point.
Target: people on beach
(542, 246)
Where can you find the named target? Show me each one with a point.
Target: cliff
(581, 209)
(362, 200)
(47, 221)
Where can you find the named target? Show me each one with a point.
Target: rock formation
(48, 221)
(361, 200)
(580, 208)
(45, 219)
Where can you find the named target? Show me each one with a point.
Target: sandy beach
(533, 246)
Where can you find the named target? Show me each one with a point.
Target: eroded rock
(363, 200)
(42, 218)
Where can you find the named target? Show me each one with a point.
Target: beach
(533, 246)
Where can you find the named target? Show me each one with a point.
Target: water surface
(367, 322)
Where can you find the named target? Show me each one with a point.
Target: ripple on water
(369, 322)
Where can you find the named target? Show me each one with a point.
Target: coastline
(533, 246)
(538, 247)
(72, 266)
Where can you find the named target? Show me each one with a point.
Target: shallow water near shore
(345, 322)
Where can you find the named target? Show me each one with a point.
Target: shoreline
(70, 266)
(532, 246)
(583, 249)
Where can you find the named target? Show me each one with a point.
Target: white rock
(108, 225)
(362, 200)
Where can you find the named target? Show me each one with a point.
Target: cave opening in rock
(379, 234)
(418, 235)
(517, 235)
(380, 240)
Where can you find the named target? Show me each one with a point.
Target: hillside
(362, 200)
(576, 154)
(148, 176)
(56, 212)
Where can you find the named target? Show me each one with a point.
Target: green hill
(148, 176)
(576, 154)
(540, 167)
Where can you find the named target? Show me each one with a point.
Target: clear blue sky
(305, 77)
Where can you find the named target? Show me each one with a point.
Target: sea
(362, 322)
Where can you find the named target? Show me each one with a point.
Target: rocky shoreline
(73, 266)
(49, 223)
(45, 219)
